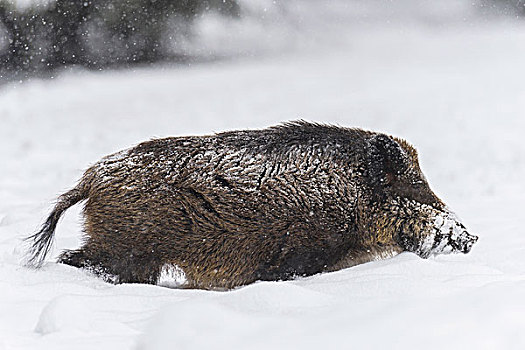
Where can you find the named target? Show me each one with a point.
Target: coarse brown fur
(237, 207)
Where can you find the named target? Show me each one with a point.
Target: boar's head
(403, 206)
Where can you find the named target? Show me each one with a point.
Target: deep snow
(454, 90)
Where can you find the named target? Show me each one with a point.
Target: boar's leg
(134, 269)
(79, 259)
(74, 258)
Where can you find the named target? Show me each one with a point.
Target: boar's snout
(465, 242)
(451, 235)
(445, 235)
(461, 243)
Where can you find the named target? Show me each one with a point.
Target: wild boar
(221, 211)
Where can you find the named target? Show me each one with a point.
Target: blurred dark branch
(95, 33)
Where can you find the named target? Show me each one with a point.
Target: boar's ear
(386, 160)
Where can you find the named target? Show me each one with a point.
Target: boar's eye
(389, 179)
(417, 190)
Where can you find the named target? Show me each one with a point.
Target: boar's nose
(473, 239)
(465, 241)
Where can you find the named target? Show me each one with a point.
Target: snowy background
(445, 75)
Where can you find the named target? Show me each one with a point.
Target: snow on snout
(449, 236)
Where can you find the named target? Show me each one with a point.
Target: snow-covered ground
(455, 90)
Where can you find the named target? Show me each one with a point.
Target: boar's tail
(41, 242)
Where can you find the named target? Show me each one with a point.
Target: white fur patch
(171, 276)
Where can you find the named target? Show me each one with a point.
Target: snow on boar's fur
(216, 212)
